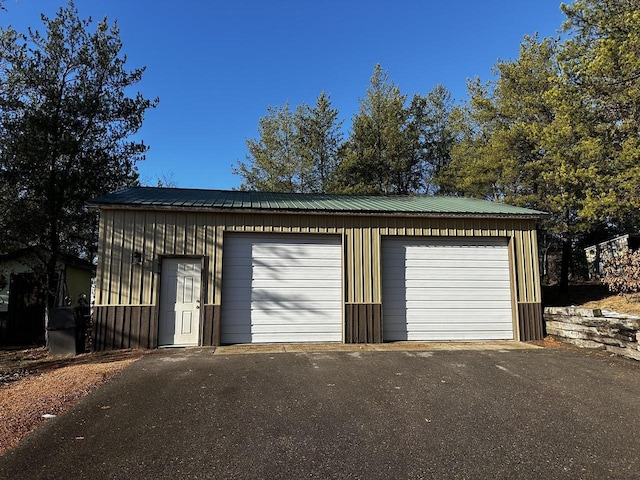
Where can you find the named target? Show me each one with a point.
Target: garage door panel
(428, 292)
(291, 328)
(457, 257)
(285, 288)
(451, 336)
(304, 283)
(452, 286)
(460, 308)
(300, 294)
(296, 255)
(292, 307)
(292, 338)
(464, 274)
(446, 289)
(291, 272)
(462, 316)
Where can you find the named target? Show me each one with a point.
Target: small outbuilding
(598, 256)
(23, 295)
(181, 267)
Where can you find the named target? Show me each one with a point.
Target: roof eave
(369, 213)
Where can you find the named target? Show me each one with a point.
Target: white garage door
(281, 288)
(446, 289)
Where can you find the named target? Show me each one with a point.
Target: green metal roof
(188, 199)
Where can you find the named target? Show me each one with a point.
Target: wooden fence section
(613, 332)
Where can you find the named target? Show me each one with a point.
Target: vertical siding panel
(144, 327)
(179, 239)
(151, 254)
(377, 265)
(214, 257)
(108, 258)
(102, 270)
(96, 332)
(535, 266)
(348, 261)
(453, 227)
(358, 266)
(153, 326)
(115, 279)
(352, 265)
(218, 273)
(193, 238)
(127, 257)
(520, 259)
(513, 278)
(125, 338)
(134, 339)
(527, 264)
(137, 271)
(367, 274)
(201, 234)
(362, 323)
(110, 328)
(208, 250)
(169, 238)
(160, 235)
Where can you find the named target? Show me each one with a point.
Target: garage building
(183, 267)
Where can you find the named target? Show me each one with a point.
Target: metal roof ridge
(306, 202)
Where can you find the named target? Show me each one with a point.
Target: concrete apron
(244, 349)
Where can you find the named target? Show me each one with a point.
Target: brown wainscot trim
(530, 318)
(211, 326)
(363, 323)
(124, 326)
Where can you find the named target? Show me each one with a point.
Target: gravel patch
(35, 387)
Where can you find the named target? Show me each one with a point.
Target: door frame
(204, 264)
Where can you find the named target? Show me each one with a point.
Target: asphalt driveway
(496, 414)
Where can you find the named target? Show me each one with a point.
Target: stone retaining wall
(611, 331)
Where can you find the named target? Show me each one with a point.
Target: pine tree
(379, 155)
(274, 161)
(320, 137)
(66, 119)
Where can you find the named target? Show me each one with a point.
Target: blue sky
(216, 65)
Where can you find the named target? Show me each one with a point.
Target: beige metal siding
(163, 232)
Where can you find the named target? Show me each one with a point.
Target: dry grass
(591, 295)
(33, 384)
(616, 303)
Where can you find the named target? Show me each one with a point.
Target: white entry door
(179, 323)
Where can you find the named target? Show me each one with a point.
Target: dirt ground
(35, 386)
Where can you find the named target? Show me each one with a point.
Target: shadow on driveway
(496, 414)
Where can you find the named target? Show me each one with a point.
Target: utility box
(61, 331)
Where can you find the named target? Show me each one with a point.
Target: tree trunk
(564, 269)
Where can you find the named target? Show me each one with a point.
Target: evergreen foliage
(65, 125)
(557, 129)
